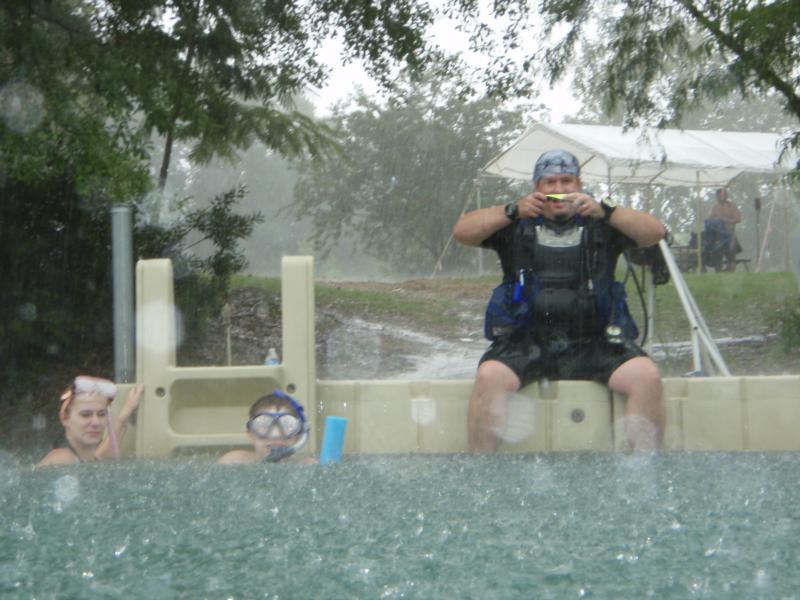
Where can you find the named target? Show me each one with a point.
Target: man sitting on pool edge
(559, 247)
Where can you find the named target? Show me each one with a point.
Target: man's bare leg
(640, 381)
(487, 405)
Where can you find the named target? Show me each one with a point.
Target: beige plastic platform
(193, 409)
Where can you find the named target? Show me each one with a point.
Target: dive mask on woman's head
(84, 384)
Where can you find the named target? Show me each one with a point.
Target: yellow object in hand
(555, 197)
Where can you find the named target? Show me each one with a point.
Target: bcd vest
(562, 282)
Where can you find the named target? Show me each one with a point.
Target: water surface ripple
(569, 525)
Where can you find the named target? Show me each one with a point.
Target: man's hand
(531, 205)
(585, 205)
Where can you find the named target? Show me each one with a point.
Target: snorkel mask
(281, 425)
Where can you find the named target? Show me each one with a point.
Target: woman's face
(86, 422)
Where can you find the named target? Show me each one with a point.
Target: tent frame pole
(698, 223)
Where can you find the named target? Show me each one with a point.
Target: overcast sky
(344, 79)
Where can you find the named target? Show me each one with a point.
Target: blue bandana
(555, 162)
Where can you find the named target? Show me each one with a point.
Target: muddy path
(439, 335)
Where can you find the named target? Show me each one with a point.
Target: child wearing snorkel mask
(90, 433)
(277, 428)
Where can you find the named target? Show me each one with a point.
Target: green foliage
(656, 60)
(651, 61)
(221, 74)
(202, 284)
(787, 323)
(84, 84)
(54, 256)
(405, 173)
(53, 122)
(736, 300)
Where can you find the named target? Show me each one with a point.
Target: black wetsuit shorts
(560, 358)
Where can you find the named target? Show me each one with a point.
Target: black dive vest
(562, 278)
(562, 291)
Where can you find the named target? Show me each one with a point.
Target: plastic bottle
(272, 357)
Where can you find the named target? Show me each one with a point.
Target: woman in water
(85, 415)
(277, 428)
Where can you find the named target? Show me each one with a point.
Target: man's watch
(609, 205)
(512, 211)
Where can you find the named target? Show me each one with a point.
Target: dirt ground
(255, 326)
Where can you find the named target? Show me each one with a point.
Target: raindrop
(23, 533)
(38, 422)
(21, 106)
(66, 489)
(27, 311)
(154, 312)
(761, 578)
(563, 570)
(423, 410)
(9, 471)
(520, 419)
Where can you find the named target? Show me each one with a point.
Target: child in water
(277, 428)
(85, 415)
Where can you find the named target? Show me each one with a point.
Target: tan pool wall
(194, 409)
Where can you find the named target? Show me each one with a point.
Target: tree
(222, 73)
(84, 84)
(651, 61)
(657, 60)
(406, 171)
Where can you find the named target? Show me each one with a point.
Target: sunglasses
(281, 425)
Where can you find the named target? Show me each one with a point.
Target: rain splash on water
(562, 525)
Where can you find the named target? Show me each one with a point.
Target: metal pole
(786, 228)
(480, 250)
(122, 276)
(699, 330)
(698, 225)
(757, 206)
(651, 308)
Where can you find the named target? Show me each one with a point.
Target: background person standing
(727, 212)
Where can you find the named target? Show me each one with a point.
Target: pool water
(578, 525)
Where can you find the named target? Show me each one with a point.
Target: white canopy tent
(663, 157)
